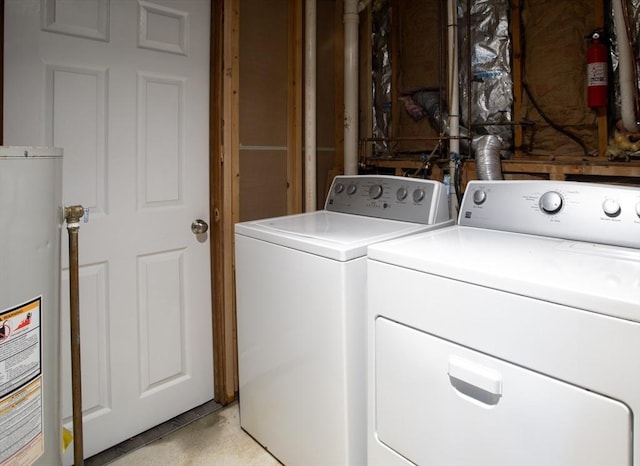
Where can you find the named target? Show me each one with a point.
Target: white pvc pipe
(454, 98)
(310, 104)
(351, 20)
(627, 84)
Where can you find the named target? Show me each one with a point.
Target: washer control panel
(392, 197)
(598, 213)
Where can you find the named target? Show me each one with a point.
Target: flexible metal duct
(487, 150)
(487, 147)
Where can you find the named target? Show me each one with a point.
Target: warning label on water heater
(22, 440)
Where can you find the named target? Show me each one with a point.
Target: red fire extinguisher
(597, 72)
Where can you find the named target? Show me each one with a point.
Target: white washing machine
(301, 314)
(512, 338)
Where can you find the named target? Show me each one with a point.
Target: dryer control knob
(402, 193)
(351, 189)
(375, 191)
(638, 209)
(338, 188)
(418, 195)
(611, 207)
(551, 202)
(479, 197)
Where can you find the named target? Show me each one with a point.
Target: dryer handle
(474, 381)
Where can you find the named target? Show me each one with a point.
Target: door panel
(437, 402)
(122, 87)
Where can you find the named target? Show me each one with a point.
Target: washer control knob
(418, 195)
(375, 191)
(338, 188)
(611, 208)
(479, 197)
(638, 209)
(402, 193)
(551, 202)
(351, 189)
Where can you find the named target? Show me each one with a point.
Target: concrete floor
(214, 439)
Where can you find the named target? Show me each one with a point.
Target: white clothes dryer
(301, 316)
(512, 338)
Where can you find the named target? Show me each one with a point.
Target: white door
(123, 87)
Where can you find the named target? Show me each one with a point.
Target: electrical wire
(550, 122)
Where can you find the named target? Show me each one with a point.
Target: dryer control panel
(597, 213)
(391, 197)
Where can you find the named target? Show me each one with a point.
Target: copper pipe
(412, 138)
(73, 215)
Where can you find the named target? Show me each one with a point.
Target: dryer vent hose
(487, 149)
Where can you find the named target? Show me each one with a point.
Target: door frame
(224, 189)
(225, 171)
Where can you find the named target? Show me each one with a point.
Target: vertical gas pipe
(454, 100)
(73, 215)
(351, 20)
(310, 107)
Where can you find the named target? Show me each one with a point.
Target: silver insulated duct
(485, 75)
(487, 150)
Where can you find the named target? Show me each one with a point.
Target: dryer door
(440, 403)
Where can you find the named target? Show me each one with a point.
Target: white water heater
(31, 221)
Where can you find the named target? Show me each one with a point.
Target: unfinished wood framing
(216, 196)
(224, 181)
(268, 178)
(584, 170)
(329, 77)
(399, 165)
(626, 173)
(541, 143)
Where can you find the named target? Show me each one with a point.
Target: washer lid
(334, 235)
(594, 277)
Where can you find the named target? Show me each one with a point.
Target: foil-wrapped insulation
(487, 152)
(624, 145)
(488, 68)
(381, 73)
